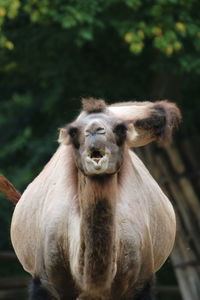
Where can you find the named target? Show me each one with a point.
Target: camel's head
(98, 139)
(100, 133)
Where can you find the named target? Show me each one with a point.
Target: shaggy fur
(38, 292)
(94, 225)
(98, 202)
(146, 292)
(92, 105)
(148, 121)
(163, 118)
(121, 132)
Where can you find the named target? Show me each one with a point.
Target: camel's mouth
(97, 161)
(96, 155)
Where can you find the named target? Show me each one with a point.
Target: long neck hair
(97, 198)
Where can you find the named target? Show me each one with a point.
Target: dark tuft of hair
(172, 120)
(121, 131)
(163, 118)
(38, 291)
(147, 292)
(92, 105)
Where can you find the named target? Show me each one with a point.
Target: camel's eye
(74, 134)
(120, 130)
(100, 130)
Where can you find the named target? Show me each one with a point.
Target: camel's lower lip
(97, 163)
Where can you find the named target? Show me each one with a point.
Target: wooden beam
(10, 256)
(12, 283)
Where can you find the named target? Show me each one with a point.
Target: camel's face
(98, 142)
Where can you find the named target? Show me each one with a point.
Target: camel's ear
(63, 136)
(69, 135)
(148, 121)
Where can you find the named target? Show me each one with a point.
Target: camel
(94, 224)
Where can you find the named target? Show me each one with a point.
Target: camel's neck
(97, 200)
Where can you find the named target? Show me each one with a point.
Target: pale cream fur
(132, 112)
(46, 220)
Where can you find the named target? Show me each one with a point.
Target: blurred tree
(169, 26)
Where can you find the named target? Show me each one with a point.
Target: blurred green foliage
(52, 53)
(170, 26)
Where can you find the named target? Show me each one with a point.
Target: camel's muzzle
(97, 161)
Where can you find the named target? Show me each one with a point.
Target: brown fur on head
(146, 121)
(98, 141)
(163, 117)
(92, 105)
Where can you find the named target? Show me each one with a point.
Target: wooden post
(169, 170)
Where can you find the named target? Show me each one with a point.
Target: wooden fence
(12, 288)
(176, 168)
